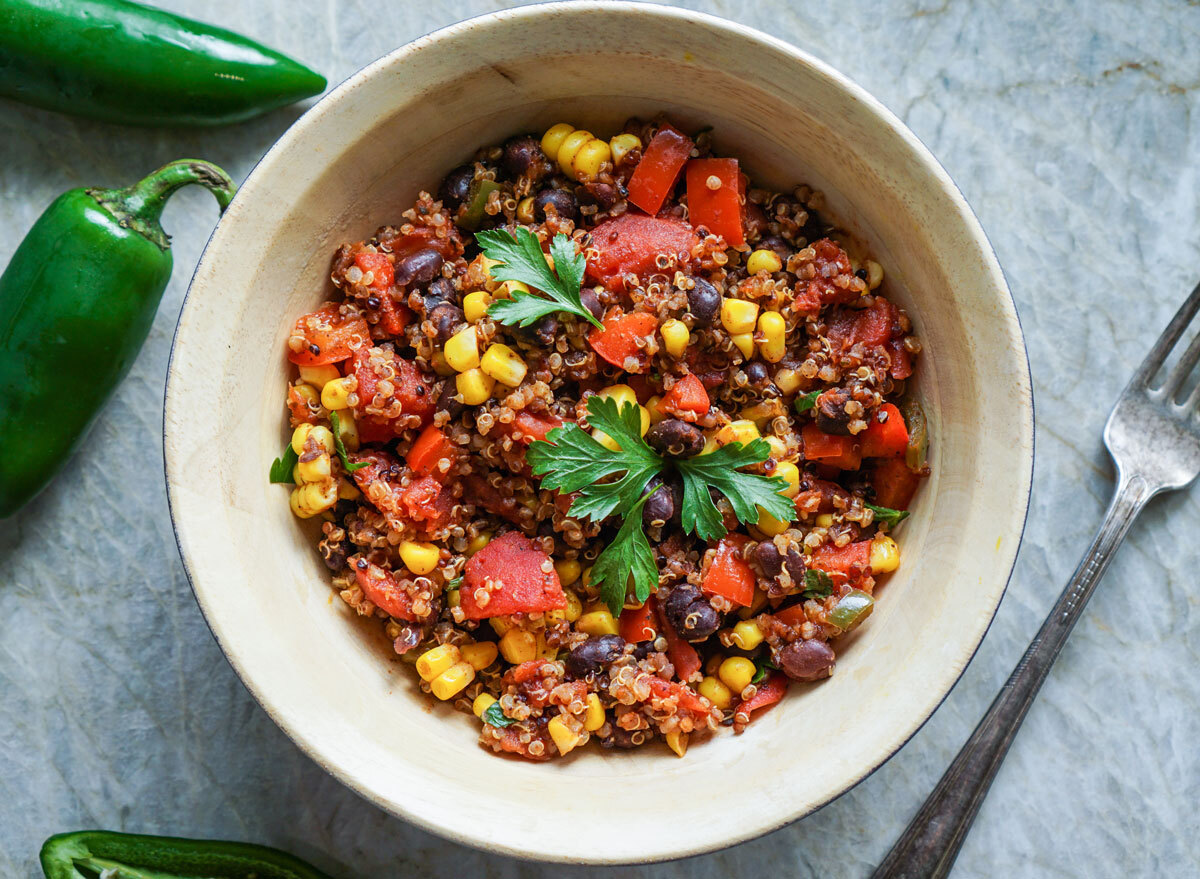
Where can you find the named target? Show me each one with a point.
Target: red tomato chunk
(618, 341)
(328, 337)
(631, 244)
(510, 575)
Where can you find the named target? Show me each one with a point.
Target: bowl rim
(929, 163)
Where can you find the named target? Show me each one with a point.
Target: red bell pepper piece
(380, 266)
(637, 624)
(791, 616)
(682, 654)
(655, 175)
(730, 575)
(686, 397)
(534, 426)
(298, 406)
(329, 336)
(382, 590)
(901, 360)
(853, 559)
(511, 571)
(885, 439)
(429, 448)
(718, 210)
(894, 484)
(631, 244)
(843, 452)
(393, 317)
(617, 344)
(769, 692)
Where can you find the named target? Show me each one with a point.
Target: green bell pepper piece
(850, 610)
(472, 214)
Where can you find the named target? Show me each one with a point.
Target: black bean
(563, 201)
(768, 558)
(756, 373)
(700, 621)
(831, 411)
(591, 657)
(441, 290)
(681, 598)
(591, 302)
(704, 302)
(334, 554)
(624, 739)
(605, 194)
(447, 318)
(421, 266)
(795, 565)
(447, 400)
(455, 186)
(659, 508)
(521, 154)
(409, 637)
(546, 330)
(777, 244)
(806, 660)
(676, 438)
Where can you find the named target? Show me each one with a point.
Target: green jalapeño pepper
(76, 303)
(124, 62)
(90, 854)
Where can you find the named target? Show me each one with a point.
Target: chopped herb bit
(887, 516)
(341, 447)
(806, 401)
(627, 559)
(762, 668)
(817, 584)
(495, 716)
(281, 467)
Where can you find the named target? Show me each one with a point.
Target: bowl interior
(355, 162)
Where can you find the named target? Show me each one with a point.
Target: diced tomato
(410, 386)
(682, 654)
(526, 671)
(843, 452)
(534, 425)
(637, 624)
(853, 559)
(829, 262)
(729, 574)
(632, 243)
(481, 493)
(901, 360)
(655, 175)
(885, 439)
(686, 698)
(894, 484)
(791, 616)
(769, 692)
(393, 317)
(643, 387)
(379, 265)
(430, 447)
(516, 576)
(427, 503)
(298, 406)
(718, 210)
(382, 590)
(617, 343)
(329, 336)
(687, 397)
(449, 245)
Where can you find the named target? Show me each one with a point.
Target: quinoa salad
(610, 441)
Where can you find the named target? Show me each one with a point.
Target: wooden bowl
(354, 162)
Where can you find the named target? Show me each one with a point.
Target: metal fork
(1155, 444)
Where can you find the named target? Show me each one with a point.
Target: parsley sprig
(520, 258)
(614, 482)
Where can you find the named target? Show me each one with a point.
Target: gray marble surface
(1074, 132)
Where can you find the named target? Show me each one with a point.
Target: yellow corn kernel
(504, 365)
(554, 137)
(589, 158)
(475, 306)
(656, 415)
(574, 607)
(713, 663)
(789, 473)
(544, 651)
(480, 655)
(478, 542)
(736, 672)
(738, 315)
(677, 742)
(565, 738)
(773, 329)
(568, 571)
(508, 288)
(482, 703)
(594, 718)
(319, 376)
(586, 577)
(778, 446)
(740, 431)
(823, 520)
(597, 621)
(605, 440)
(308, 393)
(525, 212)
(336, 394)
(518, 645)
(433, 662)
(348, 430)
(644, 414)
(501, 625)
(571, 144)
(710, 444)
(768, 524)
(788, 381)
(621, 394)
(885, 554)
(715, 692)
(452, 681)
(439, 364)
(747, 635)
(744, 343)
(762, 412)
(474, 386)
(347, 490)
(300, 437)
(675, 337)
(874, 279)
(316, 470)
(316, 497)
(454, 598)
(462, 350)
(622, 144)
(420, 558)
(755, 607)
(763, 261)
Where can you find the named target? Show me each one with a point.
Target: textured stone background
(1075, 134)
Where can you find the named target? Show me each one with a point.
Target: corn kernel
(316, 470)
(308, 393)
(475, 306)
(501, 625)
(789, 473)
(823, 520)
(308, 500)
(454, 597)
(452, 681)
(768, 524)
(622, 144)
(554, 137)
(778, 446)
(544, 651)
(347, 490)
(482, 703)
(713, 663)
(763, 261)
(605, 440)
(747, 635)
(744, 343)
(598, 621)
(574, 607)
(656, 415)
(462, 350)
(621, 394)
(594, 718)
(757, 603)
(300, 437)
(874, 277)
(504, 365)
(675, 337)
(773, 330)
(740, 431)
(736, 672)
(568, 571)
(478, 542)
(433, 662)
(715, 692)
(336, 394)
(518, 645)
(480, 655)
(677, 742)
(788, 381)
(738, 315)
(885, 554)
(589, 158)
(762, 412)
(525, 213)
(439, 364)
(348, 430)
(319, 376)
(586, 577)
(420, 558)
(508, 288)
(571, 144)
(565, 738)
(474, 386)
(710, 444)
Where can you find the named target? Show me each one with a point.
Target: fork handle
(931, 843)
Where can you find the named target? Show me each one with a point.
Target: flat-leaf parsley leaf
(281, 467)
(628, 558)
(746, 492)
